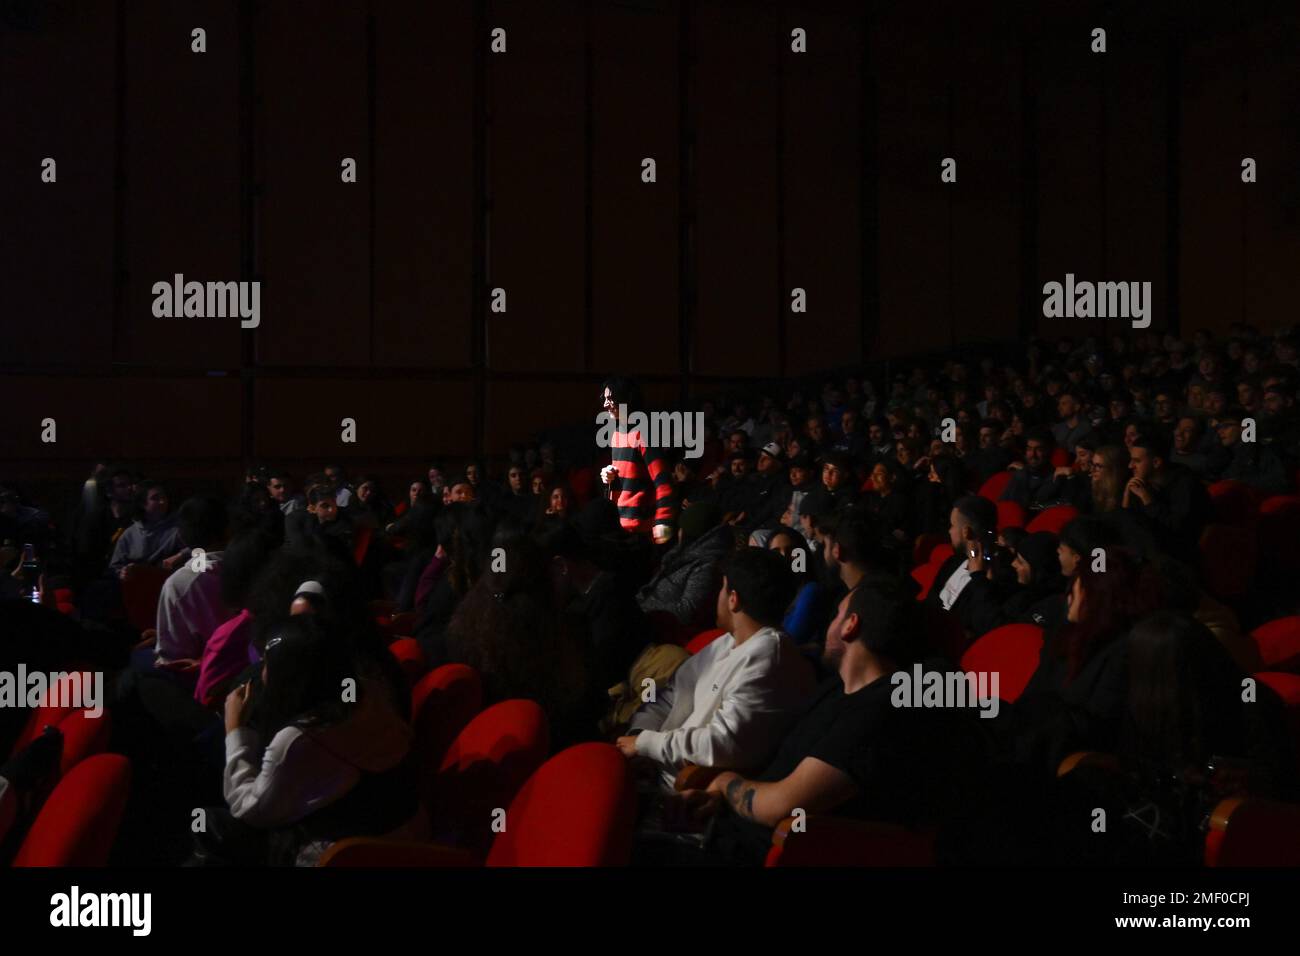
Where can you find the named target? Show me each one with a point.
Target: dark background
(522, 170)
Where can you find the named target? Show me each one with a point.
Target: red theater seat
(833, 841)
(1248, 832)
(1011, 514)
(578, 809)
(924, 576)
(925, 546)
(410, 655)
(1053, 519)
(996, 484)
(1279, 644)
(78, 823)
(1012, 651)
(702, 640)
(1233, 502)
(442, 704)
(140, 593)
(483, 769)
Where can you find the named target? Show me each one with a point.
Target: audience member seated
(729, 704)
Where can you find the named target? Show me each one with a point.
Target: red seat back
(78, 823)
(702, 640)
(1011, 514)
(483, 769)
(1233, 502)
(361, 544)
(1060, 458)
(140, 593)
(1053, 519)
(927, 544)
(52, 713)
(442, 704)
(1010, 651)
(1279, 644)
(578, 809)
(410, 655)
(924, 576)
(1247, 832)
(829, 841)
(83, 737)
(996, 484)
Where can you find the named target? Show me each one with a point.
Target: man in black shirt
(851, 752)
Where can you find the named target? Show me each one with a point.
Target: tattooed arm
(814, 786)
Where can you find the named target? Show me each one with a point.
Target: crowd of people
(794, 534)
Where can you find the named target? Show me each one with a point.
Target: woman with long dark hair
(1075, 699)
(324, 757)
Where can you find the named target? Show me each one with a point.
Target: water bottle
(31, 570)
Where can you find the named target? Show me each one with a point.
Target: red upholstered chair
(1233, 502)
(941, 553)
(1279, 530)
(361, 544)
(140, 593)
(1011, 514)
(79, 821)
(702, 640)
(442, 704)
(578, 809)
(924, 576)
(1228, 559)
(1249, 832)
(996, 484)
(1060, 458)
(410, 655)
(483, 769)
(1012, 652)
(1053, 519)
(834, 841)
(1279, 644)
(52, 713)
(925, 546)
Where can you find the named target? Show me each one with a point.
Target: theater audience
(686, 583)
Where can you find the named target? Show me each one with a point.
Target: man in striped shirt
(645, 497)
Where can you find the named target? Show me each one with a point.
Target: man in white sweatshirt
(730, 704)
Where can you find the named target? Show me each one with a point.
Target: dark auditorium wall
(522, 170)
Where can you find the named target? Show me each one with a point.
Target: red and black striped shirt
(640, 470)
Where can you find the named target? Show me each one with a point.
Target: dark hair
(1086, 533)
(1041, 435)
(509, 630)
(763, 584)
(241, 562)
(624, 390)
(319, 493)
(1112, 600)
(306, 664)
(1183, 703)
(1156, 444)
(202, 522)
(980, 513)
(883, 617)
(859, 536)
